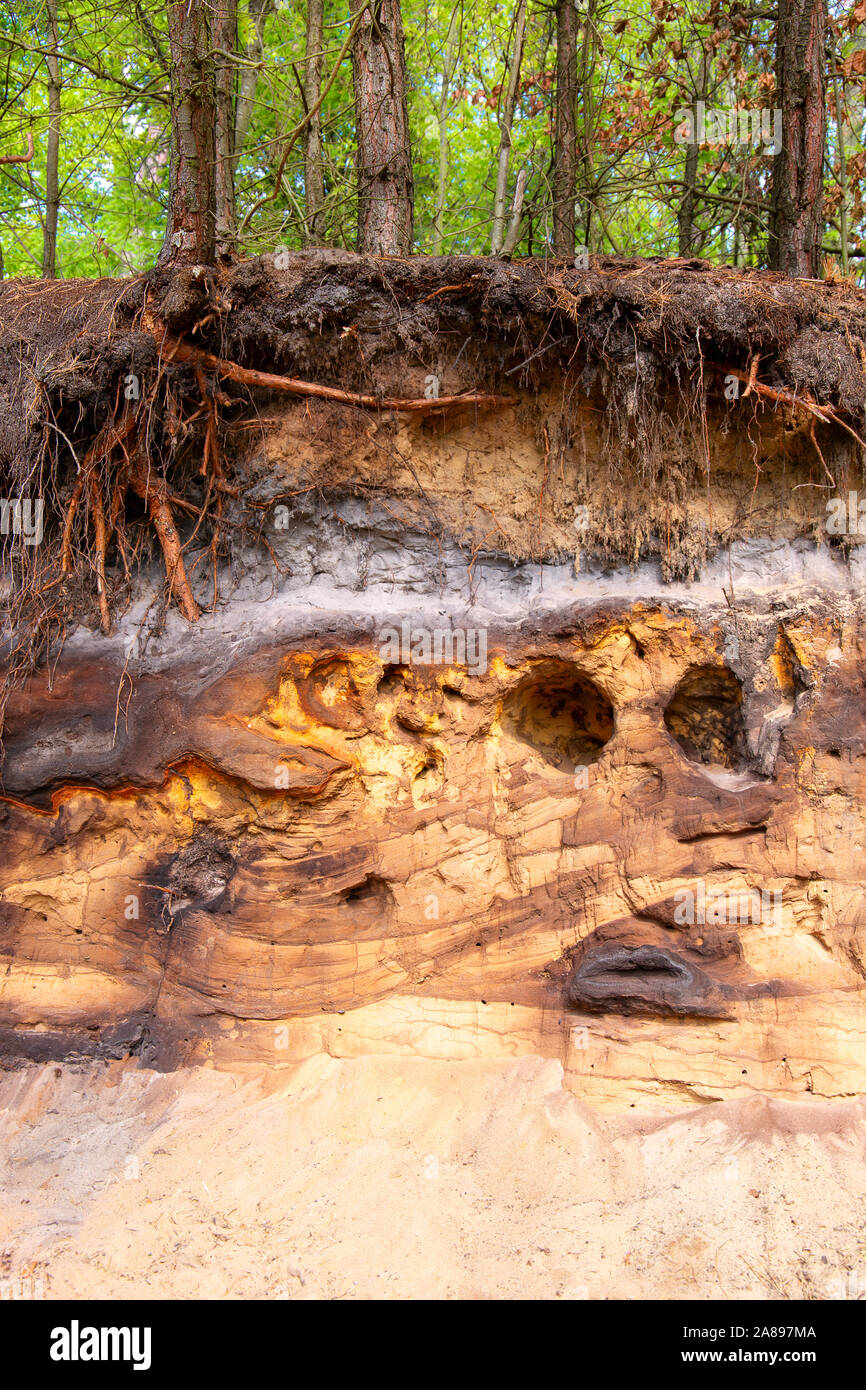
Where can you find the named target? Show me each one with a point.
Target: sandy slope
(385, 1177)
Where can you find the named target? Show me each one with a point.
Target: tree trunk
(505, 123)
(448, 66)
(593, 231)
(225, 38)
(314, 175)
(797, 215)
(255, 52)
(686, 210)
(190, 234)
(565, 152)
(52, 150)
(843, 167)
(384, 157)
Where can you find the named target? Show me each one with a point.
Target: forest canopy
(731, 132)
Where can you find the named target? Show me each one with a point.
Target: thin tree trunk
(588, 132)
(565, 153)
(448, 67)
(513, 235)
(190, 234)
(505, 123)
(384, 156)
(314, 174)
(796, 215)
(255, 52)
(686, 210)
(843, 170)
(225, 39)
(52, 150)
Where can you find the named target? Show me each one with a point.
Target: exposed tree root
(179, 351)
(69, 522)
(152, 489)
(101, 538)
(211, 468)
(111, 434)
(825, 413)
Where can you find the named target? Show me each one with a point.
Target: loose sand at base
(395, 1178)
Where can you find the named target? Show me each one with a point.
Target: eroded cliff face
(381, 907)
(434, 779)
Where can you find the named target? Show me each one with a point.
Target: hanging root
(105, 442)
(101, 536)
(69, 522)
(152, 490)
(211, 467)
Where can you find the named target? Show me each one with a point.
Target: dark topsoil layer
(354, 322)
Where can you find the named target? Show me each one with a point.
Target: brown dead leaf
(855, 64)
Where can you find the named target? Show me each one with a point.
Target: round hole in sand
(705, 716)
(561, 713)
